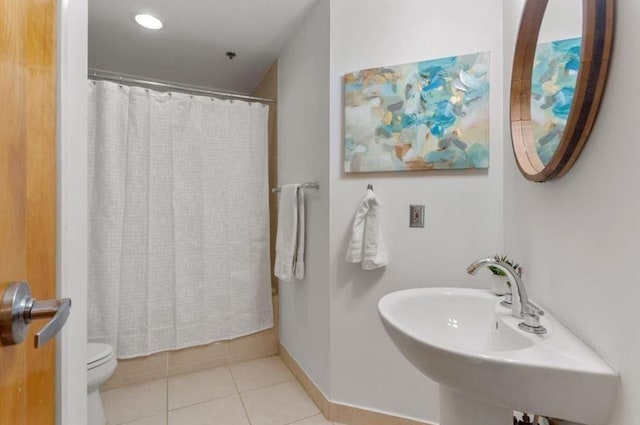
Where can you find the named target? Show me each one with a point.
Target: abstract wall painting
(554, 79)
(429, 115)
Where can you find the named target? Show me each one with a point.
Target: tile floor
(258, 392)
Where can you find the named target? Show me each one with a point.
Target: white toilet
(101, 363)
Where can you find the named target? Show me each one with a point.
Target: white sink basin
(487, 367)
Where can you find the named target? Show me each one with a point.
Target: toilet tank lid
(97, 352)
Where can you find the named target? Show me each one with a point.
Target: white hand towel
(287, 237)
(300, 240)
(366, 245)
(356, 245)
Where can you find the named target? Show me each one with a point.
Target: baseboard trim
(309, 386)
(336, 412)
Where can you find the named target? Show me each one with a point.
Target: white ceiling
(191, 47)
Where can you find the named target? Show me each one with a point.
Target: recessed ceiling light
(148, 21)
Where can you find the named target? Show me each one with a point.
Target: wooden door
(28, 196)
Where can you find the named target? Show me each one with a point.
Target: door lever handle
(58, 309)
(18, 309)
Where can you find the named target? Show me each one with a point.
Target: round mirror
(559, 73)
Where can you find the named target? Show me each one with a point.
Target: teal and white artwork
(553, 84)
(428, 115)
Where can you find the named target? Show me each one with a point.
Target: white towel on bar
(298, 266)
(290, 238)
(366, 245)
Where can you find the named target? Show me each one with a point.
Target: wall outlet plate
(416, 216)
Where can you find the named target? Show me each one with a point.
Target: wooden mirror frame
(597, 37)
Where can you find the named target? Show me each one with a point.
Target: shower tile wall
(171, 363)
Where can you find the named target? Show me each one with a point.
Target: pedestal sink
(487, 367)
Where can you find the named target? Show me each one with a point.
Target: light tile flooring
(258, 392)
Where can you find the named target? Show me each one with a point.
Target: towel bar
(308, 185)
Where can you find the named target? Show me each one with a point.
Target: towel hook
(369, 186)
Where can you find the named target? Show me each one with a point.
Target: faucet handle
(535, 309)
(508, 301)
(532, 323)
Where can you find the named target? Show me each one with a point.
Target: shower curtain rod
(97, 74)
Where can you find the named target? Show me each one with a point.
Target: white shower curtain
(178, 219)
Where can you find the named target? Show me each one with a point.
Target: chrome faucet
(521, 307)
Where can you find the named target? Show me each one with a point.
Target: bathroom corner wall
(303, 155)
(329, 321)
(577, 237)
(463, 208)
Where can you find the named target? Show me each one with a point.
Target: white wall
(71, 354)
(463, 209)
(578, 236)
(303, 152)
